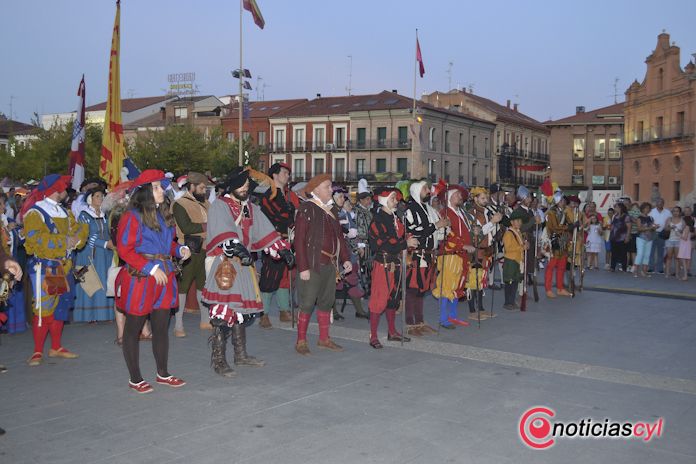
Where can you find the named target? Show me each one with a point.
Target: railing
(578, 179)
(380, 144)
(525, 154)
(528, 181)
(660, 133)
(353, 176)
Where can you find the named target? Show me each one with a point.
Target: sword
(37, 290)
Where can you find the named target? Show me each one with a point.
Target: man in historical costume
(236, 228)
(514, 244)
(576, 218)
(530, 221)
(422, 222)
(453, 263)
(13, 268)
(322, 254)
(275, 274)
(388, 239)
(190, 212)
(52, 234)
(498, 202)
(558, 231)
(363, 219)
(487, 224)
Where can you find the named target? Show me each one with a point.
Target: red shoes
(141, 387)
(454, 321)
(171, 381)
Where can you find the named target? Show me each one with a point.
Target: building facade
(519, 143)
(15, 133)
(660, 122)
(132, 109)
(586, 149)
(378, 138)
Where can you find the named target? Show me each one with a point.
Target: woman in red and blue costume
(146, 285)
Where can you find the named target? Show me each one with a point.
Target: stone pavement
(456, 397)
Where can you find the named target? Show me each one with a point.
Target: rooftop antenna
(471, 87)
(131, 93)
(350, 75)
(12, 97)
(449, 75)
(616, 90)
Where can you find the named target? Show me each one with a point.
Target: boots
(510, 288)
(265, 322)
(241, 358)
(218, 358)
(285, 316)
(337, 316)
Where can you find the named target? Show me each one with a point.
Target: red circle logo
(535, 427)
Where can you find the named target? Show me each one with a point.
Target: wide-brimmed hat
(315, 181)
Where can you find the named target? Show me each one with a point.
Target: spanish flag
(113, 147)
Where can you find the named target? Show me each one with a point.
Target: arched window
(660, 80)
(431, 139)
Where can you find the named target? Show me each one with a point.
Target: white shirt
(52, 208)
(660, 218)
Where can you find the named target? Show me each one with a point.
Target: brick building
(586, 149)
(374, 136)
(660, 121)
(519, 142)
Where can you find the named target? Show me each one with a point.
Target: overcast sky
(548, 56)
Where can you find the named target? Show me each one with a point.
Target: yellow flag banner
(113, 147)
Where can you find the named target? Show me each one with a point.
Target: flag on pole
(419, 58)
(113, 147)
(77, 149)
(250, 5)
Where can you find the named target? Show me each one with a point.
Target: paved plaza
(456, 397)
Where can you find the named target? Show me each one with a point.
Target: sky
(548, 56)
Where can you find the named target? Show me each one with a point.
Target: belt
(159, 257)
(329, 255)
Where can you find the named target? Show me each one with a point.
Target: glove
(233, 248)
(288, 257)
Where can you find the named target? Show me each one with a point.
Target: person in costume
(530, 224)
(322, 254)
(99, 253)
(388, 239)
(237, 228)
(363, 219)
(13, 267)
(514, 244)
(190, 212)
(422, 222)
(52, 234)
(146, 285)
(483, 239)
(13, 246)
(558, 230)
(453, 263)
(275, 274)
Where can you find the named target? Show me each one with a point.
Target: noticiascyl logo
(535, 427)
(539, 430)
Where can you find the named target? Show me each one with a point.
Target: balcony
(354, 177)
(660, 133)
(578, 179)
(379, 144)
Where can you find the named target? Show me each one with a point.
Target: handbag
(664, 234)
(55, 284)
(194, 242)
(225, 274)
(111, 280)
(91, 282)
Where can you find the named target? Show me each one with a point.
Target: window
(318, 166)
(381, 137)
(261, 138)
(600, 148)
(486, 150)
(656, 186)
(403, 136)
(598, 171)
(360, 166)
(180, 112)
(473, 145)
(361, 137)
(660, 79)
(461, 142)
(447, 175)
(299, 140)
(658, 127)
(298, 169)
(319, 138)
(381, 165)
(447, 147)
(679, 130)
(677, 190)
(340, 137)
(279, 139)
(402, 165)
(431, 139)
(246, 135)
(578, 177)
(230, 136)
(614, 147)
(579, 147)
(339, 168)
(636, 191)
(460, 172)
(497, 142)
(639, 132)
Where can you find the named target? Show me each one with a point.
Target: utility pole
(449, 76)
(350, 75)
(616, 89)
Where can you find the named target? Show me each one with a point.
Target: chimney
(394, 91)
(508, 104)
(318, 95)
(579, 109)
(515, 107)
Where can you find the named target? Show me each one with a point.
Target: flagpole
(413, 132)
(241, 78)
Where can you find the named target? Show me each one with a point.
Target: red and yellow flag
(113, 146)
(250, 5)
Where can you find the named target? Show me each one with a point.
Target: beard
(241, 196)
(200, 197)
(426, 199)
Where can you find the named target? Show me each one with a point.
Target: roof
(149, 121)
(9, 127)
(131, 104)
(266, 108)
(385, 100)
(608, 114)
